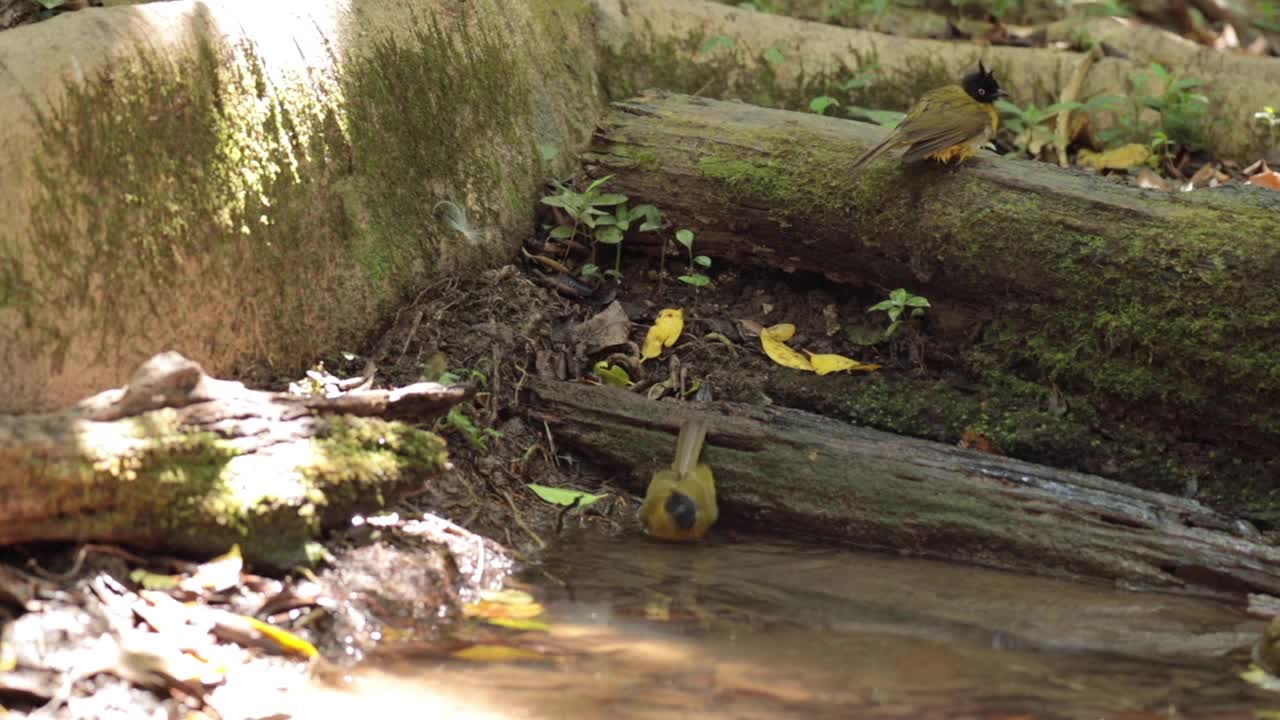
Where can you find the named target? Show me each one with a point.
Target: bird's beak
(1001, 93)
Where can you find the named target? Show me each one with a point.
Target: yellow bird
(680, 503)
(948, 124)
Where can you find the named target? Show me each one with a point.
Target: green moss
(356, 465)
(688, 65)
(364, 457)
(166, 167)
(425, 114)
(147, 164)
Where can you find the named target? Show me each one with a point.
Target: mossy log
(783, 470)
(1160, 306)
(783, 62)
(180, 461)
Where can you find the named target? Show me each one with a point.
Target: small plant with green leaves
(611, 228)
(1162, 149)
(884, 118)
(822, 103)
(585, 211)
(1183, 113)
(860, 81)
(1266, 15)
(1030, 124)
(458, 419)
(900, 301)
(694, 277)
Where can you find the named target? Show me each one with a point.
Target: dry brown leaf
(1202, 176)
(1082, 132)
(609, 328)
(1269, 179)
(975, 440)
(1254, 167)
(1148, 180)
(1228, 39)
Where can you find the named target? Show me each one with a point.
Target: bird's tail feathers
(875, 152)
(689, 446)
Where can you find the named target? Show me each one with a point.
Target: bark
(1164, 304)
(655, 43)
(185, 462)
(787, 471)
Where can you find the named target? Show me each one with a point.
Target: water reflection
(769, 629)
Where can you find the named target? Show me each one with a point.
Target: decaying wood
(784, 470)
(1166, 300)
(180, 460)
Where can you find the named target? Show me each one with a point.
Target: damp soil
(496, 328)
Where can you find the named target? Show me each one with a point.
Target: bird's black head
(982, 86)
(682, 509)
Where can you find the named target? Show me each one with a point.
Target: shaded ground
(497, 327)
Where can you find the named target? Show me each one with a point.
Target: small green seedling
(684, 236)
(900, 301)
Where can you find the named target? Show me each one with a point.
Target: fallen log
(181, 461)
(789, 471)
(1162, 304)
(713, 50)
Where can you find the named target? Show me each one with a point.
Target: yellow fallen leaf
(513, 604)
(219, 574)
(496, 653)
(664, 333)
(782, 332)
(518, 624)
(1121, 158)
(154, 581)
(285, 639)
(826, 363)
(781, 353)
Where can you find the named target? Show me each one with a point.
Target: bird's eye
(982, 91)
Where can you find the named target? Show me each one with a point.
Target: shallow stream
(760, 628)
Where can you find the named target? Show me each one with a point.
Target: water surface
(757, 628)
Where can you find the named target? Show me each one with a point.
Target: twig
(515, 515)
(83, 554)
(413, 330)
(565, 511)
(552, 444)
(1069, 94)
(495, 386)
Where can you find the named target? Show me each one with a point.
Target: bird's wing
(962, 124)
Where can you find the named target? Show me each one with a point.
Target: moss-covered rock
(250, 197)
